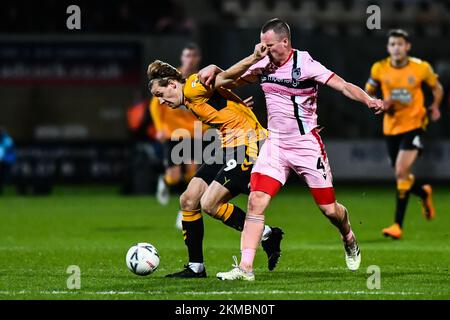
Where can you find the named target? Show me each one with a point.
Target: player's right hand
(261, 50)
(377, 105)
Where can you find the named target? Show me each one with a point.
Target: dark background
(72, 88)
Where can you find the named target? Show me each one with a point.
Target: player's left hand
(377, 105)
(435, 114)
(249, 102)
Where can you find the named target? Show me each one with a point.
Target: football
(142, 259)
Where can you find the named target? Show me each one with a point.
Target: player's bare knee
(208, 205)
(401, 172)
(257, 201)
(188, 201)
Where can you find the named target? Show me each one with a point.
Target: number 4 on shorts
(320, 164)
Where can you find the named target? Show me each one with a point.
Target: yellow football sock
(191, 215)
(403, 186)
(224, 212)
(170, 181)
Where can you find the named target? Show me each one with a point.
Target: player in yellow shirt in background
(400, 78)
(167, 121)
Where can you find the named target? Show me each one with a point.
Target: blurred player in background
(289, 79)
(7, 156)
(166, 121)
(225, 175)
(400, 78)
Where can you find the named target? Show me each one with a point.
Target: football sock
(417, 189)
(403, 188)
(234, 217)
(248, 256)
(250, 240)
(231, 215)
(197, 267)
(169, 181)
(193, 231)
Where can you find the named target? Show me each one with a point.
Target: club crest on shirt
(296, 74)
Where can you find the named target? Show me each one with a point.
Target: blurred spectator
(143, 162)
(139, 122)
(7, 157)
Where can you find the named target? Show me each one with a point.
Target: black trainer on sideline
(187, 273)
(272, 247)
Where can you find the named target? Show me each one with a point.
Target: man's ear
(172, 83)
(408, 46)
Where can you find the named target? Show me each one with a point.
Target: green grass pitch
(93, 228)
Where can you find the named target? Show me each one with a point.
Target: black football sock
(418, 190)
(193, 231)
(403, 187)
(402, 203)
(231, 215)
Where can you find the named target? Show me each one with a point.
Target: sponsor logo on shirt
(290, 83)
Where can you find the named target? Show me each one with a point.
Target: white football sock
(179, 221)
(197, 267)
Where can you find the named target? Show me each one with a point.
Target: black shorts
(232, 170)
(187, 157)
(411, 140)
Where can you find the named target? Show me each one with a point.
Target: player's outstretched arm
(356, 93)
(438, 94)
(208, 76)
(231, 78)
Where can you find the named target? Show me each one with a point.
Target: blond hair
(162, 72)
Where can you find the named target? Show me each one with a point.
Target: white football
(142, 259)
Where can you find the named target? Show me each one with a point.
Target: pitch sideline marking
(152, 293)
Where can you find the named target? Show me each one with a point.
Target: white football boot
(352, 255)
(236, 273)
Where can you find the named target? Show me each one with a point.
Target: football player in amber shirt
(222, 177)
(400, 78)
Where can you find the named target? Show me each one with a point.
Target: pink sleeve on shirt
(315, 70)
